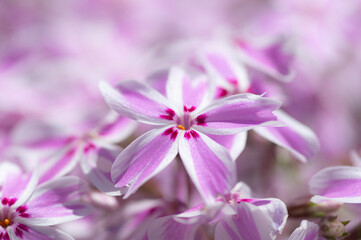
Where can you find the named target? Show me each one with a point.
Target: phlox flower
(183, 117)
(60, 150)
(230, 64)
(27, 209)
(234, 215)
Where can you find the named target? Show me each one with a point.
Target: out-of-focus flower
(26, 208)
(184, 118)
(58, 151)
(229, 72)
(233, 216)
(307, 231)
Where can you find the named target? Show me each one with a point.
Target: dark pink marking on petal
(21, 209)
(174, 135)
(12, 201)
(25, 215)
(89, 147)
(166, 117)
(18, 232)
(248, 200)
(170, 112)
(187, 135)
(23, 227)
(194, 134)
(4, 201)
(201, 119)
(221, 92)
(6, 236)
(168, 131)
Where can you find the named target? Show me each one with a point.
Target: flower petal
(236, 113)
(342, 183)
(271, 60)
(295, 137)
(235, 144)
(165, 228)
(221, 64)
(43, 233)
(275, 209)
(249, 222)
(97, 163)
(116, 129)
(60, 163)
(16, 187)
(144, 158)
(188, 93)
(307, 231)
(208, 164)
(138, 101)
(56, 201)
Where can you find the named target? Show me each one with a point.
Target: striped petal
(144, 158)
(236, 113)
(342, 183)
(55, 202)
(138, 101)
(208, 164)
(295, 137)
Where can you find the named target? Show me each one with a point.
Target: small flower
(234, 215)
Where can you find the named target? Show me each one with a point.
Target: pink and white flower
(184, 119)
(231, 76)
(27, 209)
(233, 216)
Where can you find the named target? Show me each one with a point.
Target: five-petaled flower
(27, 209)
(185, 116)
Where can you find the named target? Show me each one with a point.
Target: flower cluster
(185, 120)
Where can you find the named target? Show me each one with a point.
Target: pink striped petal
(236, 113)
(116, 129)
(41, 233)
(60, 163)
(16, 187)
(295, 137)
(235, 144)
(272, 60)
(342, 183)
(144, 158)
(96, 164)
(56, 201)
(188, 93)
(138, 101)
(223, 67)
(249, 222)
(307, 231)
(165, 228)
(208, 164)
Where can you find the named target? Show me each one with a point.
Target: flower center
(181, 127)
(5, 223)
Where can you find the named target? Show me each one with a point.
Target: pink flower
(229, 71)
(233, 216)
(183, 117)
(27, 209)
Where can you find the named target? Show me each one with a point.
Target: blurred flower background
(306, 54)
